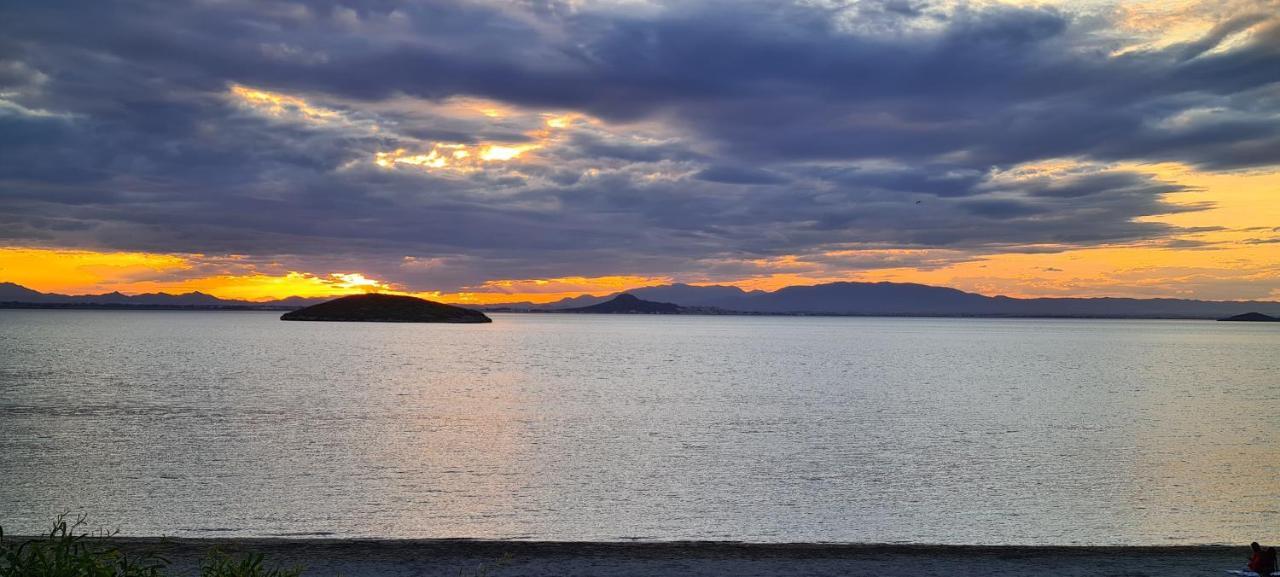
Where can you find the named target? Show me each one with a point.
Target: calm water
(655, 428)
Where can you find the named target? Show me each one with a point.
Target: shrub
(68, 550)
(221, 565)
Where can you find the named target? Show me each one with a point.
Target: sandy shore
(404, 558)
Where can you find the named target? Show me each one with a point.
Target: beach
(414, 557)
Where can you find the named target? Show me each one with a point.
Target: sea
(644, 428)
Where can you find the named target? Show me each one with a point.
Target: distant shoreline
(132, 307)
(836, 299)
(862, 315)
(385, 557)
(269, 308)
(320, 540)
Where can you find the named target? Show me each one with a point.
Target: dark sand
(359, 558)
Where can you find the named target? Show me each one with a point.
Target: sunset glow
(1235, 244)
(1025, 148)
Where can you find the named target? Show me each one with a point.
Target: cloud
(556, 140)
(739, 175)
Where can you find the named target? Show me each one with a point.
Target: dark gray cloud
(725, 130)
(730, 174)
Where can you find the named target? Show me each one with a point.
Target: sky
(498, 151)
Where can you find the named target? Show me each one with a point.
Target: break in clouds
(540, 139)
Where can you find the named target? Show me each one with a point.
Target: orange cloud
(263, 287)
(91, 272)
(82, 271)
(1230, 251)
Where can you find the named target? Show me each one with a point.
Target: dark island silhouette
(1253, 318)
(626, 304)
(383, 308)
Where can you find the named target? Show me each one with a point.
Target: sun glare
(356, 280)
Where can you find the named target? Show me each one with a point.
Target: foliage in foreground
(221, 565)
(70, 551)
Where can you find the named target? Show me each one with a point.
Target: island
(384, 308)
(626, 304)
(1253, 318)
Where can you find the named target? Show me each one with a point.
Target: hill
(1253, 318)
(908, 299)
(380, 308)
(627, 304)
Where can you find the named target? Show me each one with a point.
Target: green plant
(220, 564)
(69, 551)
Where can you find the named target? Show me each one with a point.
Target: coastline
(500, 310)
(454, 557)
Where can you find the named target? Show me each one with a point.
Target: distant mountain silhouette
(159, 299)
(14, 295)
(10, 292)
(1253, 318)
(629, 305)
(683, 294)
(842, 298)
(867, 298)
(380, 308)
(907, 299)
(695, 296)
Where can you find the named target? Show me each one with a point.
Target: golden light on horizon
(356, 280)
(78, 271)
(264, 287)
(543, 290)
(1230, 250)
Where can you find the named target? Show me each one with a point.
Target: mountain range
(14, 295)
(907, 299)
(840, 298)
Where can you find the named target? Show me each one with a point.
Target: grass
(221, 565)
(69, 550)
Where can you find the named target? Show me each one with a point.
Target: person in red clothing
(1263, 561)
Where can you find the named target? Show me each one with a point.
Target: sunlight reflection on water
(661, 428)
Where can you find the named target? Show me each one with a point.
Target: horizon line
(418, 294)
